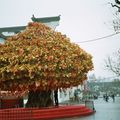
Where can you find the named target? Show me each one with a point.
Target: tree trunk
(39, 99)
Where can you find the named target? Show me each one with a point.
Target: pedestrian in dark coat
(113, 97)
(56, 97)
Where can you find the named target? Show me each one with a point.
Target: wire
(92, 40)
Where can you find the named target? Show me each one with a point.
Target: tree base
(39, 99)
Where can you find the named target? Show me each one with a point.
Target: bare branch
(113, 63)
(116, 6)
(117, 1)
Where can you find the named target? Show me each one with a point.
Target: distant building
(105, 87)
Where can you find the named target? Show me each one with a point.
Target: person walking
(113, 97)
(106, 98)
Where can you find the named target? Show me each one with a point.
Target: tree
(112, 63)
(39, 60)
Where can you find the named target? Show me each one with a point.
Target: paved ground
(104, 111)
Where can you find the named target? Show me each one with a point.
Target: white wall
(68, 93)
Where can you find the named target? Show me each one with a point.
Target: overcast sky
(81, 20)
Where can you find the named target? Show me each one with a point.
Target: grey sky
(80, 20)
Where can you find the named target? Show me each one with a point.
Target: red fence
(16, 114)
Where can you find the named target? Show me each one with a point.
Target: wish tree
(39, 60)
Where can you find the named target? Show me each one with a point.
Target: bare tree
(112, 63)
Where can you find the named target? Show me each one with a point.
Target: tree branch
(113, 64)
(116, 6)
(117, 1)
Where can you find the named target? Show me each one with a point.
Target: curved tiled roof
(17, 29)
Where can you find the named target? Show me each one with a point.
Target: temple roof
(17, 29)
